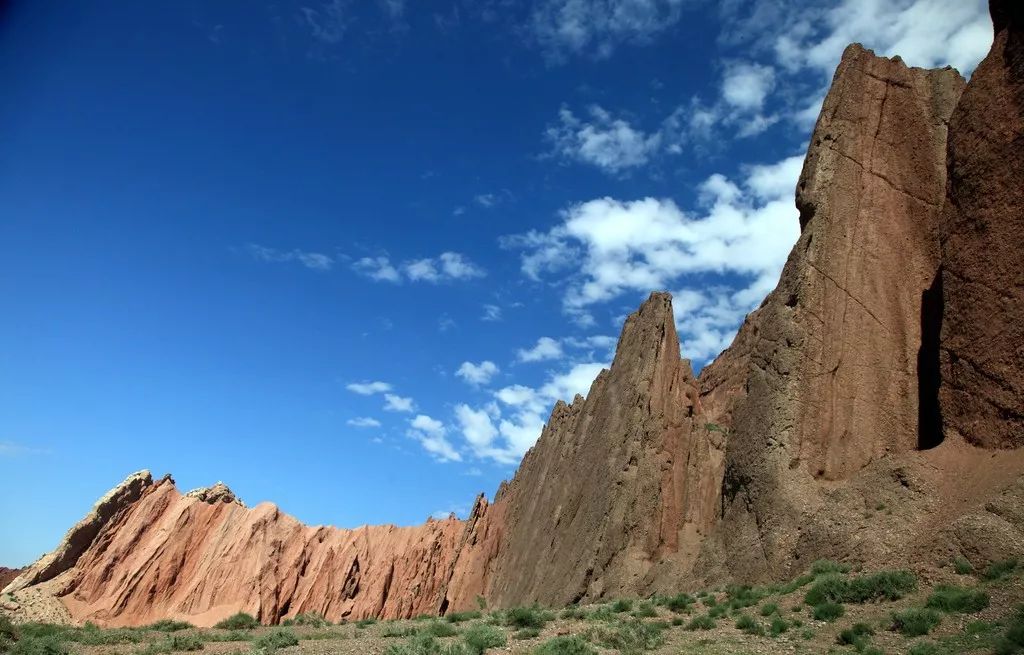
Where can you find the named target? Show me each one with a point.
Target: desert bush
(769, 608)
(393, 630)
(169, 625)
(275, 639)
(704, 622)
(424, 644)
(678, 620)
(480, 637)
(915, 621)
(778, 626)
(680, 602)
(527, 617)
(925, 648)
(368, 621)
(629, 637)
(884, 585)
(718, 611)
(963, 566)
(622, 605)
(526, 633)
(240, 621)
(645, 610)
(92, 635)
(230, 635)
(40, 646)
(856, 635)
(310, 619)
(7, 629)
(1012, 642)
(573, 612)
(565, 645)
(999, 570)
(459, 617)
(827, 611)
(439, 629)
(184, 643)
(950, 598)
(825, 566)
(749, 624)
(795, 584)
(741, 596)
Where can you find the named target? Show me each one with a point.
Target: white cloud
(396, 403)
(486, 199)
(611, 144)
(545, 348)
(363, 422)
(447, 266)
(431, 435)
(745, 86)
(368, 388)
(328, 23)
(377, 268)
(312, 260)
(477, 374)
(743, 233)
(596, 27)
(491, 313)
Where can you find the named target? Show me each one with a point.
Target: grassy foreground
(830, 609)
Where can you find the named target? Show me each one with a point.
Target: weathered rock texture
(899, 311)
(983, 261)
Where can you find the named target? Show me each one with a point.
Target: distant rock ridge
(870, 410)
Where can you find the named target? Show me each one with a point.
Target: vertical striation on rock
(982, 340)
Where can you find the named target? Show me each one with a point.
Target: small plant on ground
(749, 624)
(824, 566)
(311, 619)
(778, 626)
(423, 644)
(565, 645)
(680, 603)
(573, 612)
(1012, 642)
(459, 617)
(527, 617)
(645, 610)
(479, 637)
(856, 635)
(741, 596)
(629, 637)
(718, 611)
(184, 643)
(704, 622)
(950, 598)
(439, 629)
(827, 611)
(622, 605)
(999, 570)
(526, 633)
(769, 608)
(240, 621)
(925, 648)
(168, 625)
(963, 566)
(915, 621)
(273, 640)
(40, 646)
(678, 620)
(363, 623)
(395, 630)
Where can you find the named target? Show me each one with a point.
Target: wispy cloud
(396, 403)
(377, 268)
(363, 422)
(328, 21)
(447, 266)
(545, 348)
(312, 260)
(431, 434)
(477, 374)
(368, 388)
(609, 143)
(14, 449)
(491, 313)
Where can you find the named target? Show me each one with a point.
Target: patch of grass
(827, 611)
(240, 621)
(459, 617)
(769, 608)
(925, 648)
(718, 611)
(393, 630)
(950, 598)
(678, 620)
(629, 637)
(622, 605)
(682, 602)
(92, 635)
(703, 622)
(999, 570)
(573, 612)
(184, 643)
(915, 621)
(884, 585)
(479, 637)
(40, 646)
(601, 613)
(230, 635)
(526, 633)
(796, 583)
(565, 645)
(962, 565)
(826, 566)
(310, 619)
(1012, 642)
(749, 624)
(368, 621)
(807, 634)
(778, 626)
(857, 635)
(169, 625)
(741, 596)
(274, 640)
(439, 629)
(527, 617)
(645, 610)
(423, 644)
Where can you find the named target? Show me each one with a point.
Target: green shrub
(574, 612)
(924, 648)
(230, 635)
(769, 608)
(856, 635)
(645, 610)
(393, 630)
(92, 635)
(827, 611)
(311, 619)
(526, 633)
(796, 583)
(1012, 642)
(778, 626)
(275, 639)
(950, 598)
(718, 611)
(368, 621)
(527, 617)
(999, 570)
(7, 630)
(182, 643)
(824, 566)
(622, 605)
(480, 637)
(423, 644)
(884, 585)
(565, 645)
(40, 646)
(741, 596)
(169, 625)
(749, 624)
(629, 637)
(459, 617)
(678, 620)
(680, 603)
(915, 621)
(704, 622)
(439, 629)
(601, 613)
(963, 566)
(240, 621)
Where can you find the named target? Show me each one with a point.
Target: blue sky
(345, 255)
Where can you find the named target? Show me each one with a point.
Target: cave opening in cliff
(929, 415)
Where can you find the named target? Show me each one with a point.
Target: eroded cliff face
(884, 370)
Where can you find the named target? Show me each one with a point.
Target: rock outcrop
(884, 371)
(982, 342)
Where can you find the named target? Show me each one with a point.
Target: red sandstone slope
(883, 370)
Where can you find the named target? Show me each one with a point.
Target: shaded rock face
(982, 341)
(7, 575)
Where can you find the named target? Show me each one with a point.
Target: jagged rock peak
(218, 493)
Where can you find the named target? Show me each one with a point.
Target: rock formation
(885, 370)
